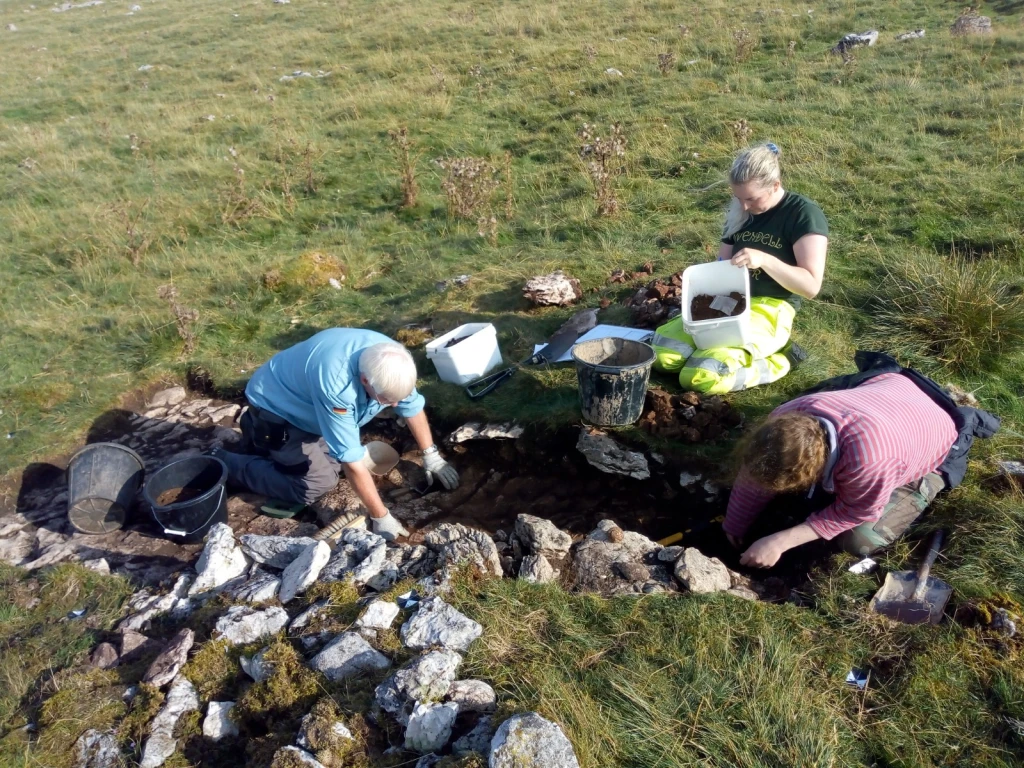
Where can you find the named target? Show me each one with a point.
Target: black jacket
(970, 422)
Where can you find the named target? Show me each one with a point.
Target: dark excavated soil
(700, 307)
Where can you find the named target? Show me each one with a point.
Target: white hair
(389, 370)
(758, 164)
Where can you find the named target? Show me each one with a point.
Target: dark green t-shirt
(774, 232)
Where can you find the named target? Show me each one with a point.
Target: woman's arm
(803, 279)
(725, 251)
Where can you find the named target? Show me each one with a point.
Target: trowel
(914, 597)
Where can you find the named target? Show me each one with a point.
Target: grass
(143, 243)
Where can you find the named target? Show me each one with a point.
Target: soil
(453, 342)
(178, 495)
(688, 417)
(653, 304)
(700, 307)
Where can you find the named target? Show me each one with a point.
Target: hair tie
(772, 148)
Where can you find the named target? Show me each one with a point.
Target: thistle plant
(467, 184)
(401, 147)
(184, 318)
(666, 63)
(603, 159)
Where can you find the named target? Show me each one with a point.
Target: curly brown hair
(786, 453)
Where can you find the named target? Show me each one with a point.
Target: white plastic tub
(471, 358)
(717, 278)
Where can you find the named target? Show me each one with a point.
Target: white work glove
(435, 465)
(388, 527)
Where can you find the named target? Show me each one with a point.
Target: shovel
(557, 346)
(913, 597)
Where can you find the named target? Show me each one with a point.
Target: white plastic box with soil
(465, 354)
(717, 285)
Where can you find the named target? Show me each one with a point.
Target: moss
(215, 671)
(399, 588)
(285, 696)
(83, 700)
(467, 761)
(145, 705)
(343, 605)
(328, 747)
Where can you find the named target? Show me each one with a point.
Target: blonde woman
(782, 237)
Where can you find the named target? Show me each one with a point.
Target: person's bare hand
(763, 553)
(748, 257)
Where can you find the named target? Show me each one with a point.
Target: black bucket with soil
(612, 375)
(188, 497)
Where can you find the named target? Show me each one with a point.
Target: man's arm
(420, 429)
(362, 483)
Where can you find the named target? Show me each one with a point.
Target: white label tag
(724, 304)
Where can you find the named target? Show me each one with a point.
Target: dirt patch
(705, 307)
(178, 495)
(657, 301)
(688, 417)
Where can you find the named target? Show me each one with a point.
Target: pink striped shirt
(889, 433)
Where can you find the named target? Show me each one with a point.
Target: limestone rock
(702, 574)
(260, 588)
(610, 457)
(438, 624)
(168, 397)
(596, 559)
(542, 537)
(287, 757)
(379, 614)
(854, 40)
(746, 593)
(430, 726)
(221, 561)
(426, 678)
(347, 655)
(218, 723)
(401, 562)
(537, 570)
(670, 554)
(455, 543)
(630, 571)
(474, 430)
(303, 570)
(530, 741)
(242, 624)
(319, 608)
(971, 23)
(478, 739)
(428, 761)
(104, 656)
(134, 646)
(360, 555)
(913, 35)
(161, 744)
(274, 551)
(166, 666)
(473, 696)
(18, 548)
(97, 749)
(257, 667)
(148, 607)
(556, 289)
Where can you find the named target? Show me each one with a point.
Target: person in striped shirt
(875, 449)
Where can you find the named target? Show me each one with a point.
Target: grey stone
(743, 592)
(530, 741)
(473, 696)
(556, 289)
(401, 562)
(274, 551)
(478, 739)
(608, 456)
(168, 397)
(380, 614)
(221, 561)
(913, 35)
(148, 607)
(348, 655)
(536, 569)
(542, 537)
(161, 744)
(100, 565)
(260, 588)
(360, 555)
(18, 548)
(224, 412)
(702, 574)
(218, 723)
(135, 645)
(303, 570)
(428, 761)
(438, 624)
(97, 749)
(595, 558)
(166, 666)
(104, 656)
(242, 624)
(854, 40)
(427, 678)
(430, 726)
(317, 609)
(457, 543)
(299, 754)
(474, 430)
(257, 667)
(632, 572)
(670, 554)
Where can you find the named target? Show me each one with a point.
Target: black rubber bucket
(203, 504)
(612, 375)
(103, 479)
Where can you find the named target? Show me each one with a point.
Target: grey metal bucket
(612, 375)
(103, 479)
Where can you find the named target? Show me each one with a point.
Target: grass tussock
(951, 312)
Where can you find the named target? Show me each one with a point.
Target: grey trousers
(300, 471)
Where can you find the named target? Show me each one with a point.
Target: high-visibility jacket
(729, 369)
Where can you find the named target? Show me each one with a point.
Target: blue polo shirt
(315, 386)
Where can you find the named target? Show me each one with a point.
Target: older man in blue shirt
(306, 405)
